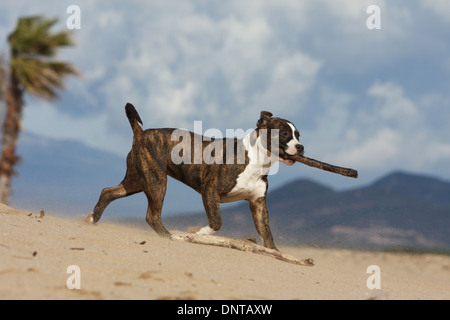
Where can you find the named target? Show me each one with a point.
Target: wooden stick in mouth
(325, 166)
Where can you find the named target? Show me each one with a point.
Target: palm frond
(33, 44)
(41, 79)
(33, 36)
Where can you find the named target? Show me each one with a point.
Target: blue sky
(373, 100)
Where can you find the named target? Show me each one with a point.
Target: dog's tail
(134, 118)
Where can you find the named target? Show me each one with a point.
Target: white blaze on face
(292, 149)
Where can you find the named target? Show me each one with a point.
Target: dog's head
(284, 134)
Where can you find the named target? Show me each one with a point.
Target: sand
(124, 262)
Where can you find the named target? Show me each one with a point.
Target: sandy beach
(123, 262)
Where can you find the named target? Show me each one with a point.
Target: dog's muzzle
(284, 157)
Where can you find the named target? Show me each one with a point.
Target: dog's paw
(206, 230)
(89, 218)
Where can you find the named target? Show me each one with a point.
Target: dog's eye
(284, 133)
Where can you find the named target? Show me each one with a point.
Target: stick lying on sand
(240, 245)
(325, 166)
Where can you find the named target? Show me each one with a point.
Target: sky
(376, 100)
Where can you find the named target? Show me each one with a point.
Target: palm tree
(31, 70)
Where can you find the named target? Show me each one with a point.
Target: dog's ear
(265, 118)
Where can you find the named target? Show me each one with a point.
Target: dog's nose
(300, 149)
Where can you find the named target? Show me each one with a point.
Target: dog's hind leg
(155, 190)
(130, 185)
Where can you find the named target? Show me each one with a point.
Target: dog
(152, 159)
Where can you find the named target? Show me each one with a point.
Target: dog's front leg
(211, 202)
(261, 219)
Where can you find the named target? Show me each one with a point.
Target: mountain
(426, 188)
(400, 210)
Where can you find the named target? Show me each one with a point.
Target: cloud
(440, 8)
(392, 105)
(377, 95)
(379, 150)
(394, 131)
(437, 151)
(185, 65)
(291, 80)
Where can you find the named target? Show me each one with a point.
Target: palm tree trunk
(11, 130)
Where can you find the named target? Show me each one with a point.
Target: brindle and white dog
(150, 162)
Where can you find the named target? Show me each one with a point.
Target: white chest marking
(249, 184)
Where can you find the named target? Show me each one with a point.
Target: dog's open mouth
(286, 160)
